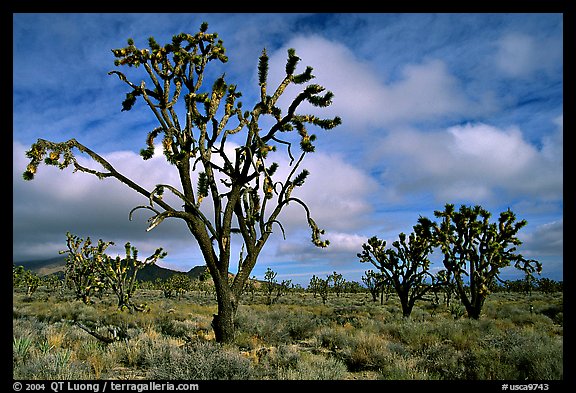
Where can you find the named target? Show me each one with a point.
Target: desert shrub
(366, 352)
(352, 315)
(485, 364)
(128, 353)
(280, 325)
(246, 341)
(292, 363)
(197, 361)
(460, 334)
(97, 356)
(535, 355)
(52, 366)
(441, 361)
(74, 310)
(512, 355)
(272, 360)
(417, 335)
(402, 366)
(554, 312)
(516, 355)
(169, 326)
(264, 324)
(333, 337)
(301, 326)
(314, 367)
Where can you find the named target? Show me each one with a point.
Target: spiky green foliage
(81, 273)
(320, 286)
(405, 265)
(120, 274)
(274, 289)
(90, 270)
(22, 277)
(338, 283)
(476, 250)
(176, 285)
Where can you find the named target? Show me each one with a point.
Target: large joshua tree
(476, 250)
(245, 192)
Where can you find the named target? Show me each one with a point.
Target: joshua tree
(176, 285)
(271, 285)
(445, 282)
(25, 278)
(313, 285)
(475, 248)
(371, 280)
(17, 275)
(547, 285)
(406, 265)
(80, 271)
(338, 282)
(320, 286)
(241, 182)
(120, 274)
(90, 270)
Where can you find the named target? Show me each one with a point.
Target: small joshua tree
(120, 274)
(17, 275)
(176, 285)
(445, 282)
(338, 283)
(271, 285)
(373, 282)
(25, 278)
(320, 286)
(406, 265)
(80, 270)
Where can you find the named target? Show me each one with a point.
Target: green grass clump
(198, 361)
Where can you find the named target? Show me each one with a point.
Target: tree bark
(223, 322)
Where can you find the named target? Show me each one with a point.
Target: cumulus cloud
(338, 194)
(340, 243)
(363, 97)
(474, 162)
(59, 201)
(546, 239)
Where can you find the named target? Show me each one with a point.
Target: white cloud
(473, 162)
(553, 143)
(520, 55)
(362, 96)
(338, 194)
(546, 239)
(504, 153)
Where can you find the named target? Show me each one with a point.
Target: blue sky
(435, 108)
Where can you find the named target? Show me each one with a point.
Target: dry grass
(298, 338)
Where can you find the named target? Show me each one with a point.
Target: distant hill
(44, 267)
(153, 272)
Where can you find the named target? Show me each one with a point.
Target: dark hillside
(44, 267)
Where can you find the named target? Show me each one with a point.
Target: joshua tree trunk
(223, 322)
